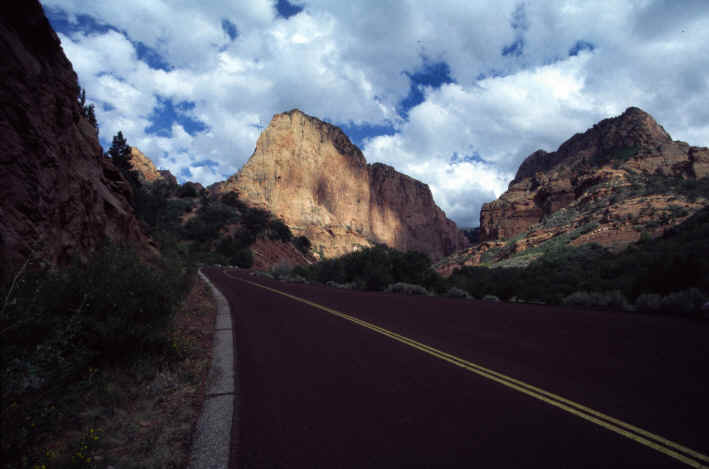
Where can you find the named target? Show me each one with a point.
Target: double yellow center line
(651, 440)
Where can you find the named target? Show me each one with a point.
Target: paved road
(320, 391)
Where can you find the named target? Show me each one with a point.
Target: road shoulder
(212, 440)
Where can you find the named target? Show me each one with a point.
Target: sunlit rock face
(621, 179)
(614, 154)
(309, 173)
(59, 196)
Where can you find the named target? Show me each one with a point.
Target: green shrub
(187, 190)
(455, 292)
(561, 217)
(208, 222)
(579, 298)
(256, 220)
(685, 302)
(243, 258)
(613, 299)
(648, 303)
(302, 243)
(407, 289)
(333, 284)
(111, 310)
(281, 270)
(490, 298)
(278, 230)
(232, 199)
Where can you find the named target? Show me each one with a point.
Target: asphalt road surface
(438, 382)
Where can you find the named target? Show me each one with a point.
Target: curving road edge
(212, 439)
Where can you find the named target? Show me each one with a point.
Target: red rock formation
(609, 152)
(309, 173)
(621, 178)
(59, 196)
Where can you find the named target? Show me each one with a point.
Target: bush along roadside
(667, 275)
(89, 352)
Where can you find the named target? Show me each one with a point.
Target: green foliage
(407, 289)
(278, 230)
(613, 299)
(617, 156)
(648, 303)
(683, 303)
(691, 188)
(678, 261)
(243, 258)
(210, 219)
(256, 220)
(302, 243)
(88, 111)
(187, 190)
(375, 268)
(455, 292)
(120, 152)
(561, 217)
(57, 324)
(232, 199)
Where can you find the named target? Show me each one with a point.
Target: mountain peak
(633, 129)
(309, 173)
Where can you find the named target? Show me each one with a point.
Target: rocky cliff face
(623, 177)
(309, 173)
(612, 151)
(59, 196)
(146, 170)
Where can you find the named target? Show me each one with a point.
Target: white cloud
(344, 62)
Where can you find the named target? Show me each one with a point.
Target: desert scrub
(407, 289)
(455, 292)
(683, 303)
(613, 299)
(60, 329)
(648, 303)
(281, 270)
(561, 217)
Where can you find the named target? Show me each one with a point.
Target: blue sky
(455, 94)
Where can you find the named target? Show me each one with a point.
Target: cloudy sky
(454, 93)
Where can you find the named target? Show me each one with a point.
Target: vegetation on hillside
(200, 227)
(102, 363)
(65, 333)
(669, 274)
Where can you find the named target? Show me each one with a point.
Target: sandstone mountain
(309, 173)
(59, 196)
(622, 179)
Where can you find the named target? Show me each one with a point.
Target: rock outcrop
(623, 177)
(609, 152)
(146, 170)
(59, 196)
(143, 166)
(309, 173)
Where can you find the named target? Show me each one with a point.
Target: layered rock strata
(620, 180)
(615, 152)
(309, 173)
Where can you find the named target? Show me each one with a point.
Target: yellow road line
(625, 429)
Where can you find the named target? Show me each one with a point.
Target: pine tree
(120, 152)
(91, 116)
(82, 102)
